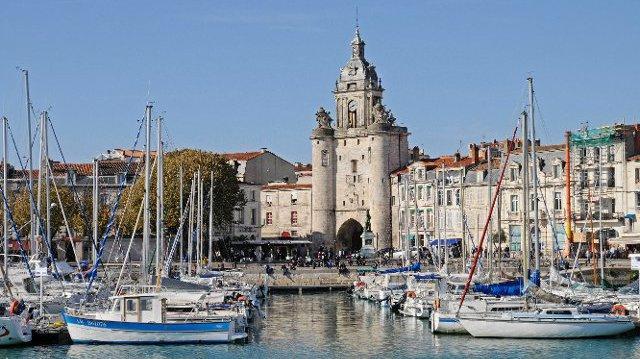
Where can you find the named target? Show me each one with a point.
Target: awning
(448, 242)
(625, 240)
(630, 216)
(258, 242)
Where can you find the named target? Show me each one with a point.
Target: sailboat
(545, 321)
(144, 314)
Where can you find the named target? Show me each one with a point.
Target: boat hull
(13, 331)
(88, 330)
(446, 324)
(501, 328)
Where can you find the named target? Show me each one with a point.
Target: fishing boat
(143, 318)
(546, 323)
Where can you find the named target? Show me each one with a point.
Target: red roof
(302, 167)
(133, 153)
(438, 162)
(106, 167)
(241, 156)
(276, 186)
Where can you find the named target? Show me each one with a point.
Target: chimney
(473, 152)
(415, 153)
(263, 149)
(456, 157)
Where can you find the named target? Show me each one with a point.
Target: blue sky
(234, 76)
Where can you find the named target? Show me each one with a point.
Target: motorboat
(144, 318)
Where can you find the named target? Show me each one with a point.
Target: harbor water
(333, 325)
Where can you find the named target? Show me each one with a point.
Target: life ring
(13, 308)
(411, 294)
(619, 309)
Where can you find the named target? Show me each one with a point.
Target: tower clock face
(353, 106)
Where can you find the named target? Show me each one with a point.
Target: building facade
(604, 192)
(352, 160)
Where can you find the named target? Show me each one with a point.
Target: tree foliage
(226, 191)
(20, 204)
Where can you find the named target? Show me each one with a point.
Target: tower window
(351, 86)
(358, 141)
(345, 142)
(354, 166)
(352, 117)
(325, 158)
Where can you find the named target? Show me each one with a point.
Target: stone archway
(349, 235)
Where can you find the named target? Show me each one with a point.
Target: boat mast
(5, 228)
(499, 219)
(489, 197)
(525, 197)
(180, 235)
(45, 145)
(407, 250)
(445, 204)
(147, 187)
(191, 213)
(199, 224)
(534, 178)
(96, 174)
(33, 244)
(159, 200)
(437, 217)
(210, 256)
(416, 240)
(41, 170)
(600, 236)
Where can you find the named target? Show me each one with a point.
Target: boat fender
(411, 294)
(13, 308)
(619, 309)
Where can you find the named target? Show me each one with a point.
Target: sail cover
(412, 268)
(510, 288)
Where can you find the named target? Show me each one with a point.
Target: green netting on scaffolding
(593, 137)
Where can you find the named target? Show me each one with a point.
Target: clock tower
(353, 158)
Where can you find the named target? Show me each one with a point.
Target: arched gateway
(349, 235)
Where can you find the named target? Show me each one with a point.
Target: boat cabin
(139, 308)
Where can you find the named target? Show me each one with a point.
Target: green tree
(226, 191)
(20, 204)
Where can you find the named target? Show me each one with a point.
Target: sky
(241, 75)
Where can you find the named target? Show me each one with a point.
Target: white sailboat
(550, 323)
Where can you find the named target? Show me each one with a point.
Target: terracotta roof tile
(241, 156)
(276, 186)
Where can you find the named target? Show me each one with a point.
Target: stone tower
(352, 161)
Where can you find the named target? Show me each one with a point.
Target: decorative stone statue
(367, 224)
(323, 118)
(367, 236)
(381, 114)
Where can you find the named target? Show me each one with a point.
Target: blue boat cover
(448, 242)
(535, 277)
(510, 288)
(412, 268)
(426, 277)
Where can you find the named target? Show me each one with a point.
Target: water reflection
(336, 326)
